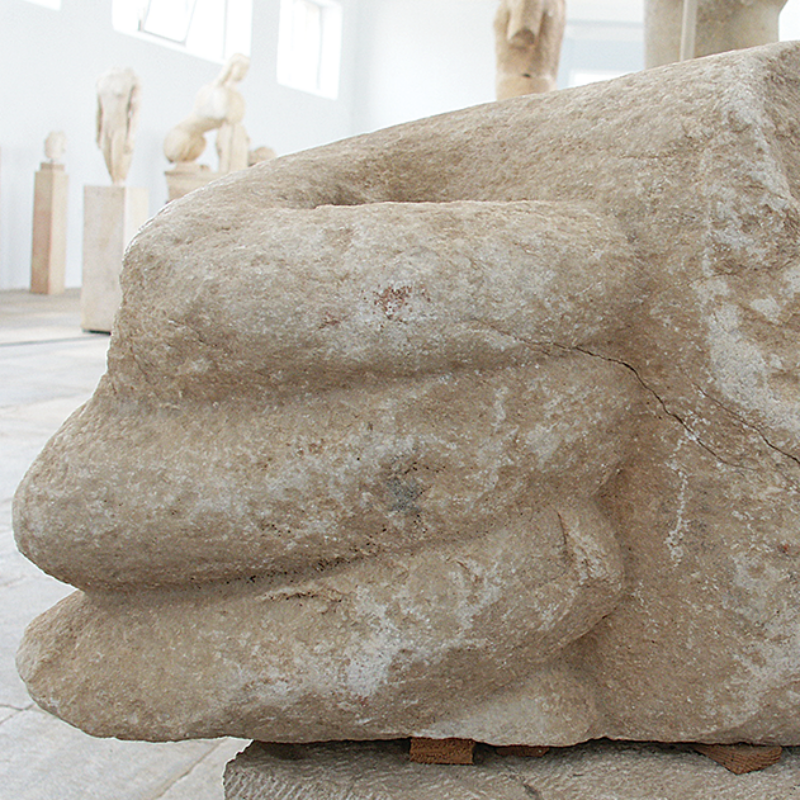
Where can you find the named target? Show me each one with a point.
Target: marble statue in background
(528, 36)
(218, 106)
(118, 103)
(55, 145)
(721, 25)
(486, 426)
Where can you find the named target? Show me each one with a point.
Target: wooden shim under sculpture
(741, 758)
(441, 751)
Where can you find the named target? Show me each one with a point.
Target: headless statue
(528, 35)
(218, 106)
(118, 101)
(722, 25)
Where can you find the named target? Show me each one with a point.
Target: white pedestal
(112, 215)
(49, 249)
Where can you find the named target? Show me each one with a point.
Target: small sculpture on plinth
(112, 214)
(55, 145)
(118, 101)
(218, 106)
(49, 245)
(528, 36)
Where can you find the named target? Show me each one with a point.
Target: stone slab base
(383, 771)
(185, 178)
(111, 217)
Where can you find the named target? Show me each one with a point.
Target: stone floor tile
(24, 431)
(42, 758)
(20, 603)
(14, 567)
(6, 712)
(31, 373)
(204, 781)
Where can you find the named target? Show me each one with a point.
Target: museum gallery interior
(402, 399)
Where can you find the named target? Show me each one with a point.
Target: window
(309, 46)
(790, 21)
(212, 29)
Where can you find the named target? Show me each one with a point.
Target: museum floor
(48, 367)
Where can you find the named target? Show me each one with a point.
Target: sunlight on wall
(212, 29)
(310, 46)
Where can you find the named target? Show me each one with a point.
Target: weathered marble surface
(482, 426)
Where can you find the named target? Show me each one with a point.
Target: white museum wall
(425, 57)
(49, 62)
(417, 58)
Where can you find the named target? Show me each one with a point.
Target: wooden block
(521, 750)
(741, 758)
(442, 751)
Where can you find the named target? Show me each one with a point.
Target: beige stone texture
(111, 217)
(720, 25)
(480, 427)
(49, 247)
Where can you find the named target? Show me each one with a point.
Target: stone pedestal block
(112, 215)
(382, 771)
(184, 178)
(49, 250)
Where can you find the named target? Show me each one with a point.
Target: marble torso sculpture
(528, 35)
(118, 101)
(218, 106)
(722, 25)
(482, 426)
